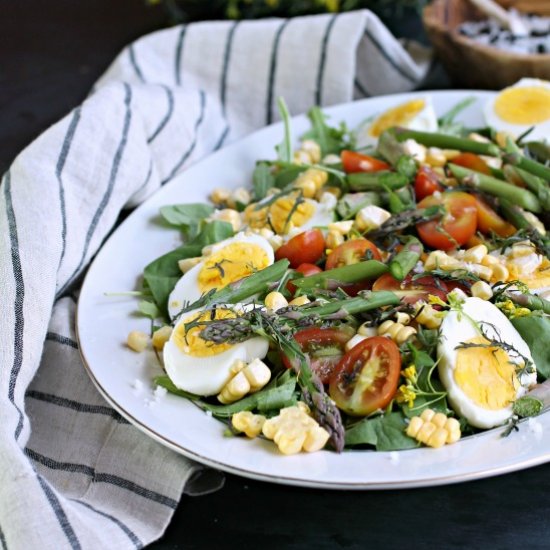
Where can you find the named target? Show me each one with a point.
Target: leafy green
(148, 309)
(212, 233)
(535, 330)
(188, 217)
(386, 433)
(287, 175)
(162, 274)
(166, 383)
(331, 140)
(262, 180)
(528, 406)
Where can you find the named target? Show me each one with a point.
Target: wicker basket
(473, 65)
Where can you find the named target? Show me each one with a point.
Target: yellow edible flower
(405, 394)
(410, 373)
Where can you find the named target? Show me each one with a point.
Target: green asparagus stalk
(533, 183)
(376, 181)
(406, 258)
(515, 157)
(530, 301)
(353, 273)
(499, 188)
(514, 214)
(240, 290)
(444, 141)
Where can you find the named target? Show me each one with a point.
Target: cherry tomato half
(356, 162)
(456, 226)
(366, 378)
(489, 221)
(307, 247)
(426, 183)
(325, 348)
(351, 252)
(411, 291)
(473, 162)
(305, 270)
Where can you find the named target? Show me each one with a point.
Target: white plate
(104, 322)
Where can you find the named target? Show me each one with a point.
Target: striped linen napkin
(73, 472)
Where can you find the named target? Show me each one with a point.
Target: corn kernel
(220, 196)
(435, 157)
(427, 316)
(258, 374)
(396, 331)
(434, 429)
(299, 301)
(475, 254)
(235, 389)
(490, 261)
(403, 318)
(343, 227)
(241, 195)
(333, 239)
(365, 330)
(228, 215)
(274, 301)
(301, 157)
(480, 289)
(248, 423)
(137, 340)
(336, 191)
(500, 273)
(161, 336)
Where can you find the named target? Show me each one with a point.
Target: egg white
(425, 120)
(208, 375)
(322, 216)
(187, 289)
(457, 328)
(541, 131)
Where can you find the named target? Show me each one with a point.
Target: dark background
(51, 52)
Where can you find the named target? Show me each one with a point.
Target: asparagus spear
(406, 258)
(499, 188)
(533, 183)
(353, 273)
(444, 141)
(240, 290)
(530, 301)
(515, 157)
(376, 181)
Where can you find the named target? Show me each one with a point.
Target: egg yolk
(231, 263)
(398, 116)
(540, 278)
(284, 214)
(529, 105)
(486, 375)
(190, 342)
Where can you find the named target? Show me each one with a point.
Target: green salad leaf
(188, 217)
(535, 330)
(385, 432)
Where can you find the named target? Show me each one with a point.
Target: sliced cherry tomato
(489, 221)
(307, 247)
(366, 378)
(305, 270)
(456, 226)
(351, 252)
(325, 348)
(356, 162)
(426, 183)
(411, 291)
(473, 162)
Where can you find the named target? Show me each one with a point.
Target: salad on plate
(383, 288)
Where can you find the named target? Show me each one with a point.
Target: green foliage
(535, 330)
(386, 433)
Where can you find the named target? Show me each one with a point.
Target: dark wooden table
(51, 52)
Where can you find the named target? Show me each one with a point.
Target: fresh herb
(187, 217)
(527, 406)
(284, 150)
(447, 123)
(535, 330)
(262, 180)
(331, 140)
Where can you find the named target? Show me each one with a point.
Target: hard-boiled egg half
(521, 106)
(228, 261)
(291, 212)
(415, 114)
(483, 380)
(202, 367)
